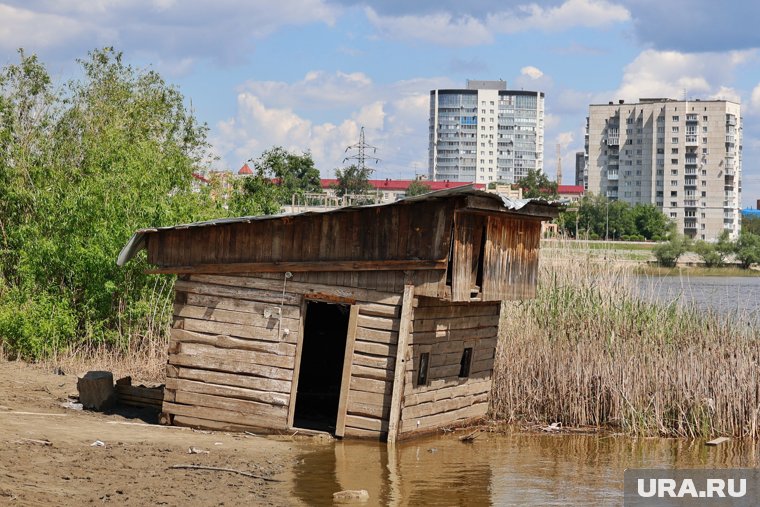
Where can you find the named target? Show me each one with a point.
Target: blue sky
(308, 74)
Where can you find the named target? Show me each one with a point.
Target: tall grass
(590, 351)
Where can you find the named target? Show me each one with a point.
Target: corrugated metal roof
(137, 241)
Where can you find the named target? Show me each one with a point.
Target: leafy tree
(667, 253)
(353, 180)
(535, 184)
(747, 249)
(751, 224)
(417, 187)
(256, 195)
(82, 167)
(650, 222)
(295, 173)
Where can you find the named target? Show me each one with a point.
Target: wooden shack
(374, 321)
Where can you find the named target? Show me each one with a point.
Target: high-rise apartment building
(485, 133)
(682, 156)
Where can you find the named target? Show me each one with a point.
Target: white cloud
(754, 101)
(531, 72)
(441, 28)
(570, 14)
(275, 114)
(449, 29)
(564, 139)
(670, 74)
(166, 30)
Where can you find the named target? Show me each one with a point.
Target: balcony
(727, 216)
(691, 118)
(690, 203)
(730, 120)
(690, 171)
(612, 175)
(688, 224)
(690, 182)
(613, 141)
(612, 194)
(691, 141)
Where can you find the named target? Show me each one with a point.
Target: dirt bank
(46, 456)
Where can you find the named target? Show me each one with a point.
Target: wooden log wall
(444, 330)
(232, 362)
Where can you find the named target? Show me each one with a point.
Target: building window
(465, 362)
(675, 118)
(704, 118)
(422, 369)
(675, 129)
(674, 140)
(674, 151)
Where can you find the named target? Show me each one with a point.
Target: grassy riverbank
(588, 352)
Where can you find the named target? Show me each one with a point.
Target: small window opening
(422, 371)
(465, 362)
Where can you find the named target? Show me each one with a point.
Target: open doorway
(321, 368)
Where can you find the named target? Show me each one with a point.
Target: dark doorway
(321, 369)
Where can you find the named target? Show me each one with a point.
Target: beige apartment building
(682, 156)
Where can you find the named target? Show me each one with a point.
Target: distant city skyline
(308, 74)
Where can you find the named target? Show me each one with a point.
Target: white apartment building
(682, 156)
(485, 133)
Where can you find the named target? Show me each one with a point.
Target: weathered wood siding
(232, 364)
(418, 231)
(444, 330)
(369, 397)
(510, 268)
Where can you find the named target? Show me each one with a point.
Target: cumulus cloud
(456, 28)
(754, 100)
(439, 28)
(271, 114)
(671, 73)
(177, 31)
(531, 72)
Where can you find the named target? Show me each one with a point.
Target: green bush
(668, 253)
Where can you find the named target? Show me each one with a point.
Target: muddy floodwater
(499, 469)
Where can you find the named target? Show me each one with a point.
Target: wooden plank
(377, 335)
(345, 382)
(233, 317)
(362, 433)
(366, 423)
(297, 367)
(222, 415)
(190, 386)
(302, 288)
(466, 387)
(375, 386)
(302, 266)
(205, 351)
(378, 323)
(155, 393)
(372, 373)
(208, 424)
(441, 383)
(379, 411)
(456, 323)
(405, 325)
(370, 398)
(379, 310)
(292, 311)
(432, 337)
(227, 342)
(238, 330)
(442, 406)
(230, 366)
(444, 419)
(232, 379)
(232, 291)
(381, 362)
(263, 410)
(376, 349)
(458, 311)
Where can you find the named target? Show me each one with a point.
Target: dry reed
(589, 351)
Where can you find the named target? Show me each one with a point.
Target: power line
(361, 152)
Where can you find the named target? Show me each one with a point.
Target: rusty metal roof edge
(137, 241)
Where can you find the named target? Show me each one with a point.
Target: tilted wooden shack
(374, 321)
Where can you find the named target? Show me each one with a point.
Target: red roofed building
(392, 190)
(571, 193)
(245, 170)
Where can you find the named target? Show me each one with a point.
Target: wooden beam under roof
(303, 266)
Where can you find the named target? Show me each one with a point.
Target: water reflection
(499, 469)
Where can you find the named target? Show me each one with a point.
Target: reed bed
(590, 351)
